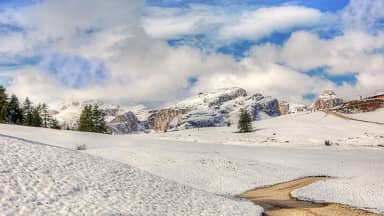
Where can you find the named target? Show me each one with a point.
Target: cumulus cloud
(223, 24)
(364, 14)
(264, 21)
(353, 52)
(124, 57)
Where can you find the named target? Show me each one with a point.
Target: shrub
(81, 147)
(327, 143)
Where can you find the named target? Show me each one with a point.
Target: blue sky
(323, 5)
(263, 46)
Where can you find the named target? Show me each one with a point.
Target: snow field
(43, 180)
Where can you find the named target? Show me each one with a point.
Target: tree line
(13, 112)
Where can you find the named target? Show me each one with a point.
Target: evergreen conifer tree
(14, 113)
(4, 112)
(37, 121)
(54, 124)
(85, 122)
(45, 115)
(3, 105)
(99, 125)
(245, 122)
(27, 112)
(92, 120)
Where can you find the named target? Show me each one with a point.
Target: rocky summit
(212, 109)
(327, 100)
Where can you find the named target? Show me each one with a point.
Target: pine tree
(45, 115)
(85, 122)
(99, 125)
(14, 113)
(245, 122)
(54, 124)
(4, 112)
(37, 121)
(27, 112)
(3, 105)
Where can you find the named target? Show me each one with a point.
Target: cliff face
(126, 123)
(284, 108)
(165, 119)
(217, 108)
(327, 100)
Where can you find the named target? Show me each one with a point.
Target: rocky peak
(126, 123)
(326, 100)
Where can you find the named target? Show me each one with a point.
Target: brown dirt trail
(277, 201)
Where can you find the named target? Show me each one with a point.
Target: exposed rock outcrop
(327, 100)
(165, 119)
(217, 108)
(284, 108)
(126, 123)
(366, 105)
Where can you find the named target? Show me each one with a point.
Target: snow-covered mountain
(291, 108)
(217, 108)
(68, 112)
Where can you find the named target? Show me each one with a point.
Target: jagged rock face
(217, 108)
(284, 108)
(166, 118)
(126, 123)
(327, 100)
(269, 106)
(224, 97)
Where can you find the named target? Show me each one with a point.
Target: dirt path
(276, 201)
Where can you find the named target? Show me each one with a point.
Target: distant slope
(376, 116)
(302, 129)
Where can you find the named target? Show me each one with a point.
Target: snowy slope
(222, 162)
(302, 129)
(43, 180)
(377, 116)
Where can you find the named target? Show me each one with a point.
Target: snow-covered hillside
(219, 161)
(303, 129)
(377, 116)
(44, 180)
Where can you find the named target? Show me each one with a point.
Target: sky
(159, 51)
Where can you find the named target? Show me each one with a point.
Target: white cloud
(264, 21)
(142, 67)
(11, 43)
(353, 52)
(363, 14)
(223, 24)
